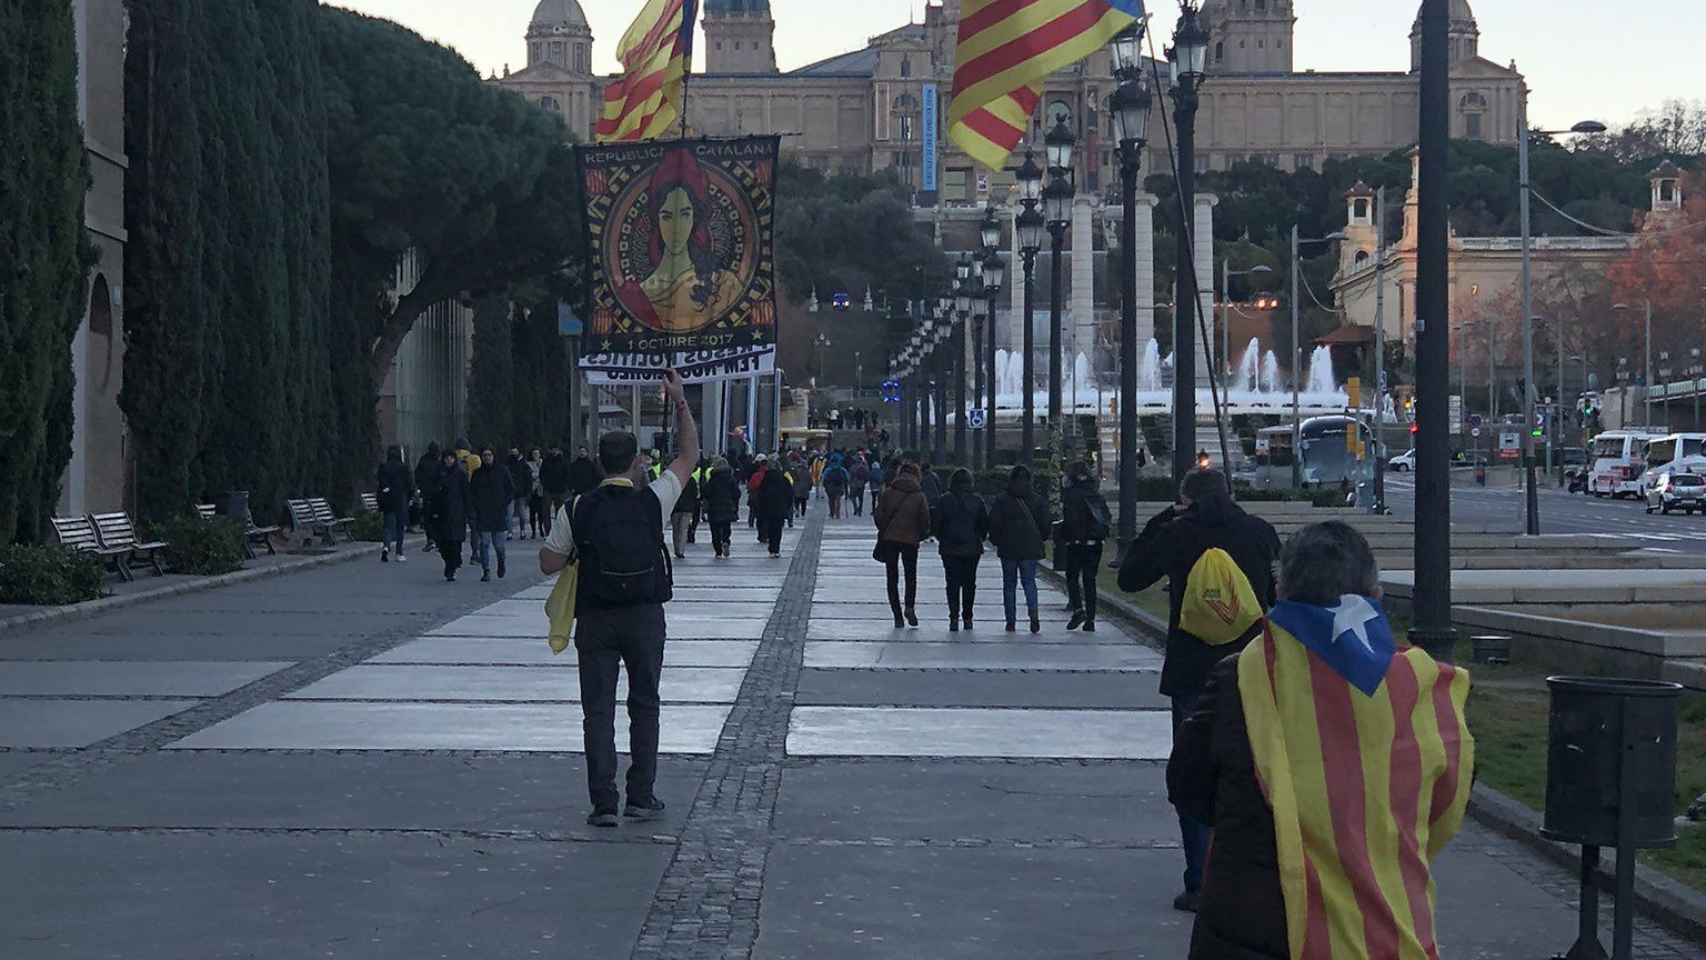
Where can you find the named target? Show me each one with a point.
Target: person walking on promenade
(450, 513)
(554, 481)
(521, 484)
(538, 517)
(583, 477)
(1171, 545)
(686, 511)
(722, 505)
(961, 523)
(395, 489)
(902, 515)
(801, 473)
(858, 478)
(931, 483)
(492, 491)
(835, 482)
(625, 580)
(752, 479)
(428, 474)
(1332, 765)
(775, 504)
(819, 464)
(1019, 525)
(1085, 525)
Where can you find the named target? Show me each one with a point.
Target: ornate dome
(1460, 16)
(551, 14)
(715, 7)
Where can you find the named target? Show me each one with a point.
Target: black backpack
(1098, 523)
(619, 535)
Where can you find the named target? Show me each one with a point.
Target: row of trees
(44, 256)
(284, 158)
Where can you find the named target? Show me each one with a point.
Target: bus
(1619, 459)
(1674, 453)
(1324, 459)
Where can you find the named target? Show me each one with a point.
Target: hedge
(48, 574)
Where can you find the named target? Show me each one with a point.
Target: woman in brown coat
(903, 521)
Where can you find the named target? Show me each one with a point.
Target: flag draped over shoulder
(656, 53)
(1006, 49)
(1364, 756)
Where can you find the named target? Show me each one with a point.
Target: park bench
(116, 532)
(305, 520)
(78, 533)
(252, 534)
(370, 503)
(324, 513)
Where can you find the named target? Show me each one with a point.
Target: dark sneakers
(644, 810)
(1187, 902)
(602, 818)
(1076, 621)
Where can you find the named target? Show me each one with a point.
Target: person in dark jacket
(554, 480)
(1084, 527)
(427, 472)
(450, 512)
(395, 489)
(902, 515)
(1172, 541)
(930, 483)
(858, 478)
(583, 474)
(491, 492)
(722, 505)
(961, 522)
(801, 473)
(774, 501)
(520, 482)
(836, 480)
(682, 517)
(1019, 525)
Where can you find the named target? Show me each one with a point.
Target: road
(1500, 508)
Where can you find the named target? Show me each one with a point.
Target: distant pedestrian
(395, 490)
(681, 517)
(554, 480)
(521, 485)
(858, 479)
(1019, 524)
(1085, 526)
(492, 492)
(625, 580)
(775, 505)
(538, 515)
(427, 473)
(583, 474)
(930, 482)
(902, 515)
(450, 512)
(721, 498)
(961, 522)
(802, 479)
(835, 483)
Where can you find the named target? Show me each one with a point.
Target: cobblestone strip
(707, 902)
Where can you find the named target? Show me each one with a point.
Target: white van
(1619, 459)
(1674, 453)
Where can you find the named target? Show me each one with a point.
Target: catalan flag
(1364, 756)
(656, 53)
(1006, 49)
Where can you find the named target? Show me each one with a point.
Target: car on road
(1674, 453)
(1404, 462)
(1677, 491)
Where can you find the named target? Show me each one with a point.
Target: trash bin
(1490, 648)
(1611, 739)
(235, 504)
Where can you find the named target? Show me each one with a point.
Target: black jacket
(1169, 546)
(1075, 503)
(722, 496)
(960, 521)
(554, 476)
(491, 490)
(688, 502)
(583, 476)
(1211, 777)
(775, 495)
(932, 487)
(396, 488)
(427, 473)
(1019, 521)
(450, 504)
(520, 478)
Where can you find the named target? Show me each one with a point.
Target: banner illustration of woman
(693, 280)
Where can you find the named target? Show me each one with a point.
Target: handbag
(885, 551)
(560, 606)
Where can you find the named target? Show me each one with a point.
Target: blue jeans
(1193, 833)
(1013, 573)
(394, 523)
(491, 540)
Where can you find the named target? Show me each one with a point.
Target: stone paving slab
(153, 896)
(978, 732)
(81, 678)
(858, 622)
(509, 683)
(968, 904)
(532, 651)
(934, 688)
(442, 726)
(168, 645)
(43, 724)
(937, 800)
(916, 655)
(680, 627)
(533, 598)
(258, 790)
(14, 762)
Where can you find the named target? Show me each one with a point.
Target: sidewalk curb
(93, 608)
(1667, 901)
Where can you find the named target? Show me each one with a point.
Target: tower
(1249, 36)
(1666, 213)
(1465, 36)
(740, 37)
(1362, 239)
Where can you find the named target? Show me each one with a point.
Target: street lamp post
(994, 277)
(1030, 226)
(1129, 106)
(1057, 205)
(1623, 389)
(1694, 370)
(1531, 497)
(1187, 59)
(962, 308)
(1646, 394)
(1297, 354)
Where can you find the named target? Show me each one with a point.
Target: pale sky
(1584, 59)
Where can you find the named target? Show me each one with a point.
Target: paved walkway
(362, 761)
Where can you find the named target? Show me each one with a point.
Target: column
(1145, 227)
(712, 430)
(1015, 340)
(1202, 239)
(1081, 308)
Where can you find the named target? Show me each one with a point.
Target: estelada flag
(656, 53)
(1006, 49)
(1364, 756)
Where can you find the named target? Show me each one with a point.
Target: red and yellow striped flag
(1006, 49)
(1366, 788)
(656, 53)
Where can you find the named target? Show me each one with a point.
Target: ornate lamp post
(1057, 207)
(994, 276)
(1030, 226)
(943, 329)
(1187, 61)
(1129, 107)
(1694, 370)
(962, 308)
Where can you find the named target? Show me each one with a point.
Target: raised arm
(686, 430)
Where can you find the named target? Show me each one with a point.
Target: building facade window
(551, 104)
(906, 66)
(557, 53)
(1303, 161)
(1473, 106)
